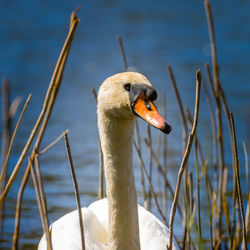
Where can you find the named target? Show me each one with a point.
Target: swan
(117, 222)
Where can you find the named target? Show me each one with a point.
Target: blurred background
(155, 33)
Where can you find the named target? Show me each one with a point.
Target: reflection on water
(155, 33)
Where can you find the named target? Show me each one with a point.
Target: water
(155, 34)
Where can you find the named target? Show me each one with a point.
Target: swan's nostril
(147, 104)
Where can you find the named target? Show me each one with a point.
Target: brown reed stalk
(150, 184)
(124, 59)
(191, 191)
(214, 135)
(6, 160)
(182, 113)
(46, 109)
(238, 226)
(235, 209)
(218, 243)
(43, 214)
(210, 78)
(94, 93)
(53, 143)
(14, 106)
(225, 178)
(18, 209)
(188, 202)
(226, 210)
(75, 188)
(161, 148)
(162, 172)
(8, 112)
(100, 194)
(198, 149)
(213, 46)
(41, 191)
(184, 134)
(198, 192)
(246, 163)
(6, 119)
(185, 159)
(57, 74)
(190, 208)
(237, 175)
(221, 91)
(20, 193)
(248, 216)
(224, 101)
(218, 104)
(6, 132)
(210, 209)
(222, 94)
(227, 113)
(209, 189)
(212, 118)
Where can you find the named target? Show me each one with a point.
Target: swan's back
(153, 233)
(65, 232)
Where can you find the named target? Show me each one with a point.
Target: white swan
(117, 222)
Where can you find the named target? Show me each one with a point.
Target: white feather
(65, 233)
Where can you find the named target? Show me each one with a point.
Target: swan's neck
(117, 143)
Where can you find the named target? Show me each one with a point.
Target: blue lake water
(155, 34)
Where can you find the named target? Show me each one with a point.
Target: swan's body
(153, 233)
(118, 222)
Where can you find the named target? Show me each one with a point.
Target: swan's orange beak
(146, 109)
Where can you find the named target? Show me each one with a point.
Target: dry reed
(42, 120)
(185, 159)
(218, 111)
(72, 170)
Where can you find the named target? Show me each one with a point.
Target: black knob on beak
(151, 94)
(167, 128)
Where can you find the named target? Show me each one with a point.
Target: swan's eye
(127, 86)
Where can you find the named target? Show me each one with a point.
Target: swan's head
(129, 95)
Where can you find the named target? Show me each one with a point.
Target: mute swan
(117, 222)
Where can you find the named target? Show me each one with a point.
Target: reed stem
(44, 116)
(42, 211)
(185, 159)
(124, 59)
(150, 184)
(46, 109)
(72, 170)
(237, 174)
(218, 112)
